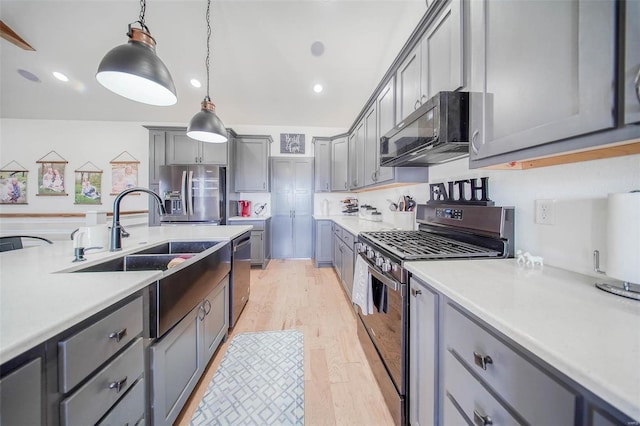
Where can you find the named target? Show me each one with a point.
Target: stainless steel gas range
(446, 231)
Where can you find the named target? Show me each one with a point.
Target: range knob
(386, 266)
(362, 247)
(379, 260)
(370, 253)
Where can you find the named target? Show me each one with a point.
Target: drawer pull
(207, 306)
(118, 385)
(482, 360)
(415, 292)
(480, 420)
(118, 335)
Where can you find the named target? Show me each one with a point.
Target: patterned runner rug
(259, 382)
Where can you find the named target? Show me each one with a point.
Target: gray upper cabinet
(386, 121)
(252, 163)
(632, 62)
(408, 79)
(356, 157)
(340, 163)
(181, 149)
(540, 86)
(442, 62)
(157, 149)
(370, 146)
(322, 164)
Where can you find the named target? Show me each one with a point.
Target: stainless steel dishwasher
(240, 276)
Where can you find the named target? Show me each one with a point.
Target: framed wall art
(124, 173)
(292, 143)
(13, 184)
(51, 175)
(88, 184)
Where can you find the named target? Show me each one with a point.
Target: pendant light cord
(208, 38)
(143, 10)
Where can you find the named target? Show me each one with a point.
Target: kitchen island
(558, 321)
(65, 333)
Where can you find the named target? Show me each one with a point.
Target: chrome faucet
(115, 243)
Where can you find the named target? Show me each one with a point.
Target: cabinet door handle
(637, 83)
(326, 185)
(345, 185)
(423, 99)
(118, 335)
(264, 185)
(482, 360)
(481, 420)
(416, 105)
(415, 292)
(207, 306)
(118, 385)
(474, 148)
(202, 311)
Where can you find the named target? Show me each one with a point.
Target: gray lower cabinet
(129, 410)
(322, 164)
(292, 207)
(251, 171)
(343, 257)
(21, 395)
(179, 358)
(423, 320)
(323, 253)
(260, 240)
(529, 102)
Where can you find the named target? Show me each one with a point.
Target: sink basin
(174, 247)
(137, 262)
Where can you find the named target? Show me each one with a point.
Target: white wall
(580, 191)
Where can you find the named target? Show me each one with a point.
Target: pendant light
(205, 126)
(133, 70)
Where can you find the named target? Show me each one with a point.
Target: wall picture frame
(124, 173)
(88, 184)
(13, 184)
(292, 143)
(51, 179)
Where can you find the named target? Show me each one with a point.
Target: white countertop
(591, 336)
(355, 225)
(37, 302)
(250, 218)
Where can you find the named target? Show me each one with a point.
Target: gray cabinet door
(324, 246)
(340, 164)
(176, 363)
(21, 395)
(322, 165)
(213, 153)
(423, 315)
(541, 86)
(632, 62)
(442, 53)
(386, 122)
(252, 164)
(337, 255)
(215, 321)
(347, 269)
(257, 247)
(370, 146)
(356, 157)
(292, 197)
(157, 148)
(181, 149)
(408, 79)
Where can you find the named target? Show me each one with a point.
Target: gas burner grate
(419, 245)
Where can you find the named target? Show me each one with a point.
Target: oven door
(387, 326)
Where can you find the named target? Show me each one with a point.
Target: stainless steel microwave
(437, 132)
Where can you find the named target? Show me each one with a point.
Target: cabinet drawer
(472, 399)
(337, 231)
(258, 225)
(129, 410)
(96, 397)
(348, 239)
(86, 350)
(536, 396)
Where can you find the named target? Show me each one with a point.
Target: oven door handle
(393, 285)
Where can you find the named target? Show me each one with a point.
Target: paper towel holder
(624, 288)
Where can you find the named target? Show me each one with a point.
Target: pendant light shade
(134, 71)
(205, 126)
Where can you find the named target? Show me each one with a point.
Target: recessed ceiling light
(196, 83)
(60, 76)
(29, 75)
(318, 88)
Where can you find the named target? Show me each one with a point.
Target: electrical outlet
(545, 212)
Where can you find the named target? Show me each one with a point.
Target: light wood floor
(339, 387)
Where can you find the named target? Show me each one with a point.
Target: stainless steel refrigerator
(193, 193)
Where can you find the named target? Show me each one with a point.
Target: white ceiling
(261, 65)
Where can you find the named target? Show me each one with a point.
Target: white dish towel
(361, 294)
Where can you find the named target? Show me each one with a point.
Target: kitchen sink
(181, 247)
(137, 262)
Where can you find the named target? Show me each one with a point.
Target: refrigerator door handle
(190, 193)
(183, 198)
